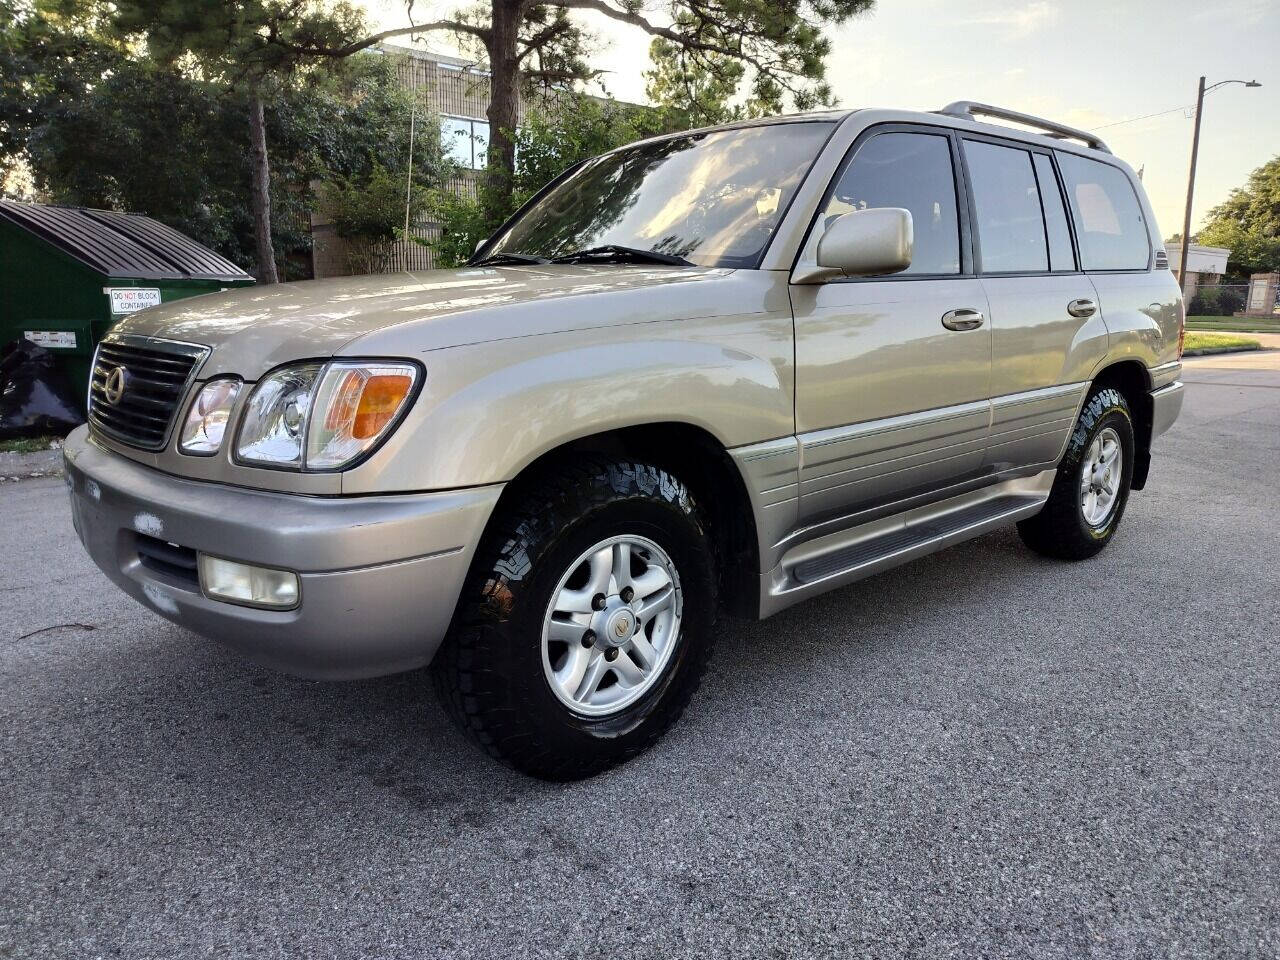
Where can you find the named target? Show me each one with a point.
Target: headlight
(207, 417)
(317, 416)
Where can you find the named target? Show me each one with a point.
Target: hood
(254, 329)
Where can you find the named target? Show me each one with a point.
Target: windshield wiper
(619, 254)
(507, 259)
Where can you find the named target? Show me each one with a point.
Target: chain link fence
(1218, 299)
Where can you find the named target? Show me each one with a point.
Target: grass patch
(1234, 324)
(27, 444)
(1199, 344)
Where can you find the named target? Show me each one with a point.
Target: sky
(1086, 63)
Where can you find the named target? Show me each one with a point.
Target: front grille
(155, 377)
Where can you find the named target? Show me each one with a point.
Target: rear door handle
(964, 318)
(1082, 308)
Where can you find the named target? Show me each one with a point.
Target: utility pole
(1191, 179)
(1191, 189)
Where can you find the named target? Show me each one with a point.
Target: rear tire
(516, 672)
(1092, 484)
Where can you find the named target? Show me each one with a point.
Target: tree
(776, 47)
(225, 42)
(98, 124)
(558, 131)
(1248, 222)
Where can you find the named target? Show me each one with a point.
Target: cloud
(1021, 21)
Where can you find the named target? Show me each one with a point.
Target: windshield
(712, 198)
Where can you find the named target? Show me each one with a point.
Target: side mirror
(863, 243)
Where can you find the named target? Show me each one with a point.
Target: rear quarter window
(1110, 226)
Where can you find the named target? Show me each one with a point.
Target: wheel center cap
(619, 624)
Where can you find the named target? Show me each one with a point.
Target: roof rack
(969, 110)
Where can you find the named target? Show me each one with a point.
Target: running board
(847, 556)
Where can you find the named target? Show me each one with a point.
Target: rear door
(1046, 329)
(891, 403)
(1116, 236)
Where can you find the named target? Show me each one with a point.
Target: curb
(1213, 351)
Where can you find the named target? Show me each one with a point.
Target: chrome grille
(155, 377)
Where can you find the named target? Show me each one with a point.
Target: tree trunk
(504, 111)
(261, 177)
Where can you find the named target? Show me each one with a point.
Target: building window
(465, 140)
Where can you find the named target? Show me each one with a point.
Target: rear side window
(913, 171)
(1011, 234)
(1055, 215)
(1109, 223)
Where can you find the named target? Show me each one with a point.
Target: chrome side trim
(868, 428)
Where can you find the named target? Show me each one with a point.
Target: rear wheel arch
(1132, 380)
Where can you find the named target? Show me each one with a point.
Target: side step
(907, 538)
(836, 559)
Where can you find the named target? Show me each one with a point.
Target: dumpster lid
(122, 244)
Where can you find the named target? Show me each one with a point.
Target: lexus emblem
(113, 387)
(621, 627)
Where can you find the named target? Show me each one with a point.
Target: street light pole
(1191, 179)
(1191, 189)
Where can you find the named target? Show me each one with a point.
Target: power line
(1148, 116)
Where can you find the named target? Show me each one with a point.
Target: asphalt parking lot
(980, 754)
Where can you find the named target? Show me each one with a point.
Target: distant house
(1205, 266)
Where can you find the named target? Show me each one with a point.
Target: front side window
(912, 171)
(711, 198)
(1110, 227)
(1011, 233)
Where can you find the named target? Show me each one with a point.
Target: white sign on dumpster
(56, 339)
(133, 299)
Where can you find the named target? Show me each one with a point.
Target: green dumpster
(68, 273)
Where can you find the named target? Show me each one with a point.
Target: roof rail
(969, 110)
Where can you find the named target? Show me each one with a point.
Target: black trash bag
(35, 398)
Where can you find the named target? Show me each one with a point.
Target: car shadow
(391, 734)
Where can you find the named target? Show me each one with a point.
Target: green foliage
(462, 222)
(563, 130)
(714, 61)
(1248, 222)
(101, 126)
(1200, 344)
(245, 44)
(1215, 301)
(558, 132)
(1205, 303)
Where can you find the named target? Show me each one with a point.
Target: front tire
(1091, 488)
(586, 623)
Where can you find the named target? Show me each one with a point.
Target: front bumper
(379, 575)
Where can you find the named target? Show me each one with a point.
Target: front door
(892, 373)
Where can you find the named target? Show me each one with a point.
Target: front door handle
(1082, 308)
(963, 318)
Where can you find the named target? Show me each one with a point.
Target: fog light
(246, 584)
